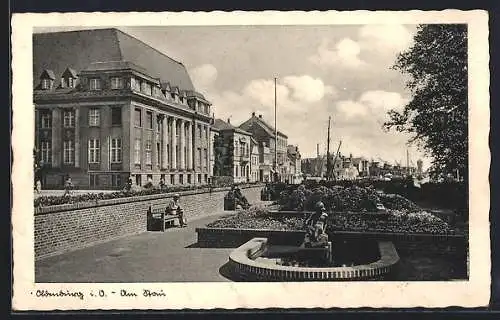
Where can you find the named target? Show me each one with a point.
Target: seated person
(174, 208)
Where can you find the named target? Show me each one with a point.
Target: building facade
(109, 106)
(265, 135)
(233, 155)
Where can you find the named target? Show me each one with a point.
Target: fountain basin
(246, 261)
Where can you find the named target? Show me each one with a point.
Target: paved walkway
(170, 256)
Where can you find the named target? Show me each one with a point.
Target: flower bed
(396, 221)
(339, 198)
(89, 197)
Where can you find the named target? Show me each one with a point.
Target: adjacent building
(109, 106)
(295, 164)
(232, 152)
(265, 135)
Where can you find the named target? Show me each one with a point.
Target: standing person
(175, 209)
(68, 186)
(128, 185)
(38, 186)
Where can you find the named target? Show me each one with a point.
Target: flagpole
(275, 132)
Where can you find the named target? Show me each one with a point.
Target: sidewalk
(170, 256)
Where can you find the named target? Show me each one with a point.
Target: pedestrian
(128, 185)
(68, 186)
(162, 183)
(175, 209)
(38, 186)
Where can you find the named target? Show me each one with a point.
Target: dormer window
(68, 78)
(47, 79)
(95, 84)
(46, 84)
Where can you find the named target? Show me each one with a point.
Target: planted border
(40, 210)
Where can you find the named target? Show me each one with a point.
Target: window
(149, 119)
(242, 171)
(199, 158)
(148, 152)
(95, 84)
(117, 83)
(199, 130)
(116, 180)
(93, 180)
(189, 178)
(116, 116)
(116, 150)
(145, 88)
(94, 117)
(137, 151)
(69, 119)
(71, 82)
(205, 158)
(236, 170)
(206, 178)
(172, 179)
(138, 118)
(68, 152)
(46, 152)
(46, 120)
(199, 178)
(135, 84)
(158, 125)
(94, 147)
(138, 179)
(158, 154)
(181, 179)
(46, 84)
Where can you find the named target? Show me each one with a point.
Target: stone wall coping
(110, 202)
(354, 233)
(239, 256)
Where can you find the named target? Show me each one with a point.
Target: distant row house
(349, 168)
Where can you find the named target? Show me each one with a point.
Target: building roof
(77, 50)
(247, 125)
(221, 125)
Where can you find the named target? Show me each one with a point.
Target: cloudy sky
(338, 71)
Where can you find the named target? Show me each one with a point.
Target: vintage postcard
(204, 160)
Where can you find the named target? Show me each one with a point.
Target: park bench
(159, 218)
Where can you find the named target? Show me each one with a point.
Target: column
(56, 138)
(77, 137)
(182, 138)
(189, 139)
(173, 159)
(164, 130)
(207, 143)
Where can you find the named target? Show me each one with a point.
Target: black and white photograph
(320, 155)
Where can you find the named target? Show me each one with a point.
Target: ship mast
(328, 160)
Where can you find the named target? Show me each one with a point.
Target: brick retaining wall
(64, 228)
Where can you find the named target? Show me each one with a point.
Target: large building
(109, 106)
(265, 135)
(232, 152)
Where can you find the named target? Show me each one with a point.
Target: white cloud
(371, 106)
(307, 89)
(344, 54)
(203, 76)
(388, 37)
(349, 109)
(383, 100)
